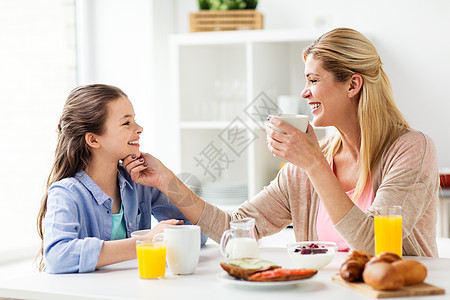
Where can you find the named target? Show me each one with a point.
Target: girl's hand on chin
(145, 169)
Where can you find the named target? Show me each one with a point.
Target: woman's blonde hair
(345, 52)
(85, 110)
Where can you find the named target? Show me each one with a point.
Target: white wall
(124, 43)
(412, 38)
(114, 47)
(37, 71)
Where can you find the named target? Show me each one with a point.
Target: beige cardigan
(407, 175)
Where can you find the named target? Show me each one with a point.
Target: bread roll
(413, 271)
(383, 276)
(384, 256)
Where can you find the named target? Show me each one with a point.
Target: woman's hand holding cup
(291, 143)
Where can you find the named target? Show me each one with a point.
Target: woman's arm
(151, 172)
(409, 178)
(162, 209)
(303, 150)
(409, 170)
(269, 207)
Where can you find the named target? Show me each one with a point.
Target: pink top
(325, 228)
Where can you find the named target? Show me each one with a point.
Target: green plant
(227, 4)
(251, 4)
(204, 4)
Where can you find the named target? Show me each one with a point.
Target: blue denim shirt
(79, 219)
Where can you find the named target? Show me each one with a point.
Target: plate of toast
(226, 278)
(257, 272)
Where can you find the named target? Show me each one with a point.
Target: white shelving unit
(224, 86)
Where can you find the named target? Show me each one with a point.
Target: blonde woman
(329, 191)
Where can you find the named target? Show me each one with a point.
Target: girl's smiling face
(121, 136)
(328, 99)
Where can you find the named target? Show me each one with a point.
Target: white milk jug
(240, 240)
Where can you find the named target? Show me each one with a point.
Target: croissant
(353, 267)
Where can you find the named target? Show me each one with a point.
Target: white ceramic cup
(183, 248)
(298, 121)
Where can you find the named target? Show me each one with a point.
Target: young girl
(91, 204)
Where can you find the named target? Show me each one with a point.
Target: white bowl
(139, 233)
(306, 256)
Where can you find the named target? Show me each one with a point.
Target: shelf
(224, 86)
(212, 82)
(204, 125)
(208, 157)
(240, 123)
(244, 36)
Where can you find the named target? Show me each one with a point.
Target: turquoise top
(119, 230)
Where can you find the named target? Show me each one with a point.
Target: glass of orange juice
(388, 229)
(151, 257)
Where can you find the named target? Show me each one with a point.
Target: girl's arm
(121, 250)
(71, 246)
(116, 251)
(66, 245)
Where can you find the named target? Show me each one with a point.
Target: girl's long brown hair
(85, 111)
(344, 52)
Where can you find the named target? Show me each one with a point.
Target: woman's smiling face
(327, 98)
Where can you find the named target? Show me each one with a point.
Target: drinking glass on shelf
(388, 229)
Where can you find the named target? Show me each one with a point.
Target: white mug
(183, 247)
(298, 121)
